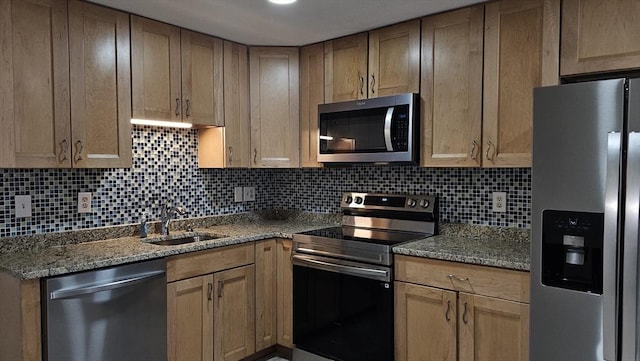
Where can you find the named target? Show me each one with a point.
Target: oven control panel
(397, 202)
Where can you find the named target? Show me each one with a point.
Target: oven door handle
(371, 273)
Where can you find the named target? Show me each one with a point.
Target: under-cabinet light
(161, 123)
(282, 2)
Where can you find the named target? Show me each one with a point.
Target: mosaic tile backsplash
(165, 170)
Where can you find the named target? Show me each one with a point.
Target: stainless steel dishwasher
(116, 313)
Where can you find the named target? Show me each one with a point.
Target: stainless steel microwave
(377, 130)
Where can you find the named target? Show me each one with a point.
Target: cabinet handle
(373, 83)
(79, 149)
(489, 146)
(220, 287)
(255, 155)
(64, 148)
(452, 277)
(474, 147)
(210, 291)
(188, 110)
(361, 82)
(230, 155)
(464, 314)
(446, 314)
(177, 107)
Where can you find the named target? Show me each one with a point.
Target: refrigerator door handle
(609, 291)
(630, 262)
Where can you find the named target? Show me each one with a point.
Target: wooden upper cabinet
(599, 36)
(202, 84)
(155, 70)
(274, 86)
(452, 88)
(229, 146)
(394, 59)
(521, 52)
(100, 86)
(311, 95)
(236, 105)
(35, 127)
(345, 68)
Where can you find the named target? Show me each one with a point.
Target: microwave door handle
(387, 129)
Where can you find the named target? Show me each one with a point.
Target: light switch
(23, 206)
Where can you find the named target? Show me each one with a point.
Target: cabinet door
(229, 146)
(34, 84)
(202, 86)
(190, 319)
(521, 53)
(599, 36)
(345, 68)
(492, 329)
(155, 70)
(100, 86)
(234, 314)
(285, 292)
(394, 59)
(236, 105)
(266, 266)
(275, 110)
(311, 94)
(452, 88)
(425, 324)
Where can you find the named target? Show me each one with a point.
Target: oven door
(342, 310)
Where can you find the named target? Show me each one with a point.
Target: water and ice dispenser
(572, 250)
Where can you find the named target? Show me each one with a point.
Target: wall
(165, 170)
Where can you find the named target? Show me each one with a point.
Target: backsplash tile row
(165, 170)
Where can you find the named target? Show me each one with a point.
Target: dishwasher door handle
(86, 290)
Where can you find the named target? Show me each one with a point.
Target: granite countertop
(486, 246)
(37, 256)
(32, 262)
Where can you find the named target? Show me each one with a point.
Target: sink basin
(187, 239)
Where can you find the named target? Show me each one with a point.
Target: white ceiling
(257, 22)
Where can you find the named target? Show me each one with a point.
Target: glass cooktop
(383, 237)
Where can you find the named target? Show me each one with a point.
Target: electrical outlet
(23, 206)
(499, 202)
(84, 202)
(249, 194)
(237, 194)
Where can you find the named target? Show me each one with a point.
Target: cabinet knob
(489, 146)
(373, 83)
(177, 107)
(79, 149)
(446, 314)
(474, 148)
(188, 110)
(64, 148)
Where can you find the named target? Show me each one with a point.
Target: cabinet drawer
(209, 261)
(482, 280)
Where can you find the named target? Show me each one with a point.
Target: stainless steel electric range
(343, 276)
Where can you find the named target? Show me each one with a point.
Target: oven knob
(424, 203)
(358, 200)
(411, 202)
(348, 199)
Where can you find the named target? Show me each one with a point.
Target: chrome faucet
(166, 215)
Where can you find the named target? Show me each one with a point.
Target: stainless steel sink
(187, 239)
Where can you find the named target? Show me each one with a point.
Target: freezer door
(630, 275)
(573, 128)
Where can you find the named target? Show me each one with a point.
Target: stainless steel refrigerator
(585, 215)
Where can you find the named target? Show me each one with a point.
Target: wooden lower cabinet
(234, 314)
(425, 323)
(190, 319)
(441, 315)
(211, 304)
(492, 329)
(266, 289)
(284, 294)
